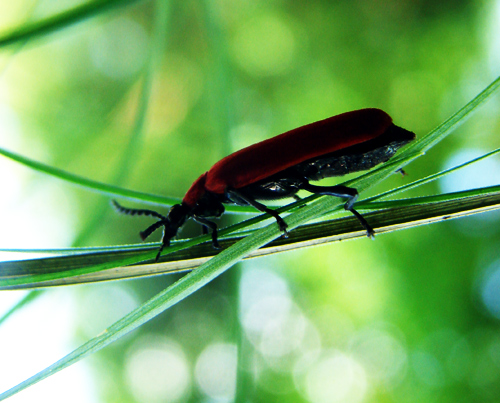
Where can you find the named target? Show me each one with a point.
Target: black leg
(152, 228)
(165, 242)
(210, 224)
(259, 206)
(176, 217)
(348, 193)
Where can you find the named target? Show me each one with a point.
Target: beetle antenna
(133, 211)
(171, 223)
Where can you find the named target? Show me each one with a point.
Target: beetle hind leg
(350, 194)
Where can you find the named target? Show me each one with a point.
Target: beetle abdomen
(262, 160)
(359, 157)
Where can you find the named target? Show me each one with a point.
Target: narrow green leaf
(100, 187)
(420, 146)
(162, 301)
(429, 178)
(103, 188)
(62, 20)
(131, 153)
(29, 297)
(225, 259)
(403, 213)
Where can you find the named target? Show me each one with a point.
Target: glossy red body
(281, 166)
(261, 160)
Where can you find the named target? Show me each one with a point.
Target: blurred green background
(411, 317)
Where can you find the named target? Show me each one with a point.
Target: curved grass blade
(429, 179)
(62, 20)
(132, 150)
(391, 215)
(100, 187)
(29, 297)
(420, 146)
(225, 259)
(175, 293)
(179, 290)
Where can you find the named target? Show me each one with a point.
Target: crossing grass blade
(228, 257)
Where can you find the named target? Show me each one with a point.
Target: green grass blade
(179, 290)
(95, 186)
(162, 301)
(100, 187)
(453, 122)
(420, 146)
(29, 297)
(62, 20)
(428, 179)
(132, 150)
(228, 257)
(403, 213)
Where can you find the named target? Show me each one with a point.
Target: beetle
(281, 166)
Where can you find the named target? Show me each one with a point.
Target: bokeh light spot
(490, 290)
(479, 174)
(428, 369)
(157, 371)
(176, 89)
(381, 353)
(336, 378)
(264, 46)
(272, 321)
(215, 371)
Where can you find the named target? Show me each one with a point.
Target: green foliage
(370, 319)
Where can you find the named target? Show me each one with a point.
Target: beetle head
(171, 224)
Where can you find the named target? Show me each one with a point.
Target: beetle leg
(345, 192)
(171, 223)
(210, 224)
(259, 206)
(152, 228)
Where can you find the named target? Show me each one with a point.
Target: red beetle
(281, 166)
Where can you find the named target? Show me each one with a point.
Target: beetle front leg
(259, 206)
(348, 193)
(209, 224)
